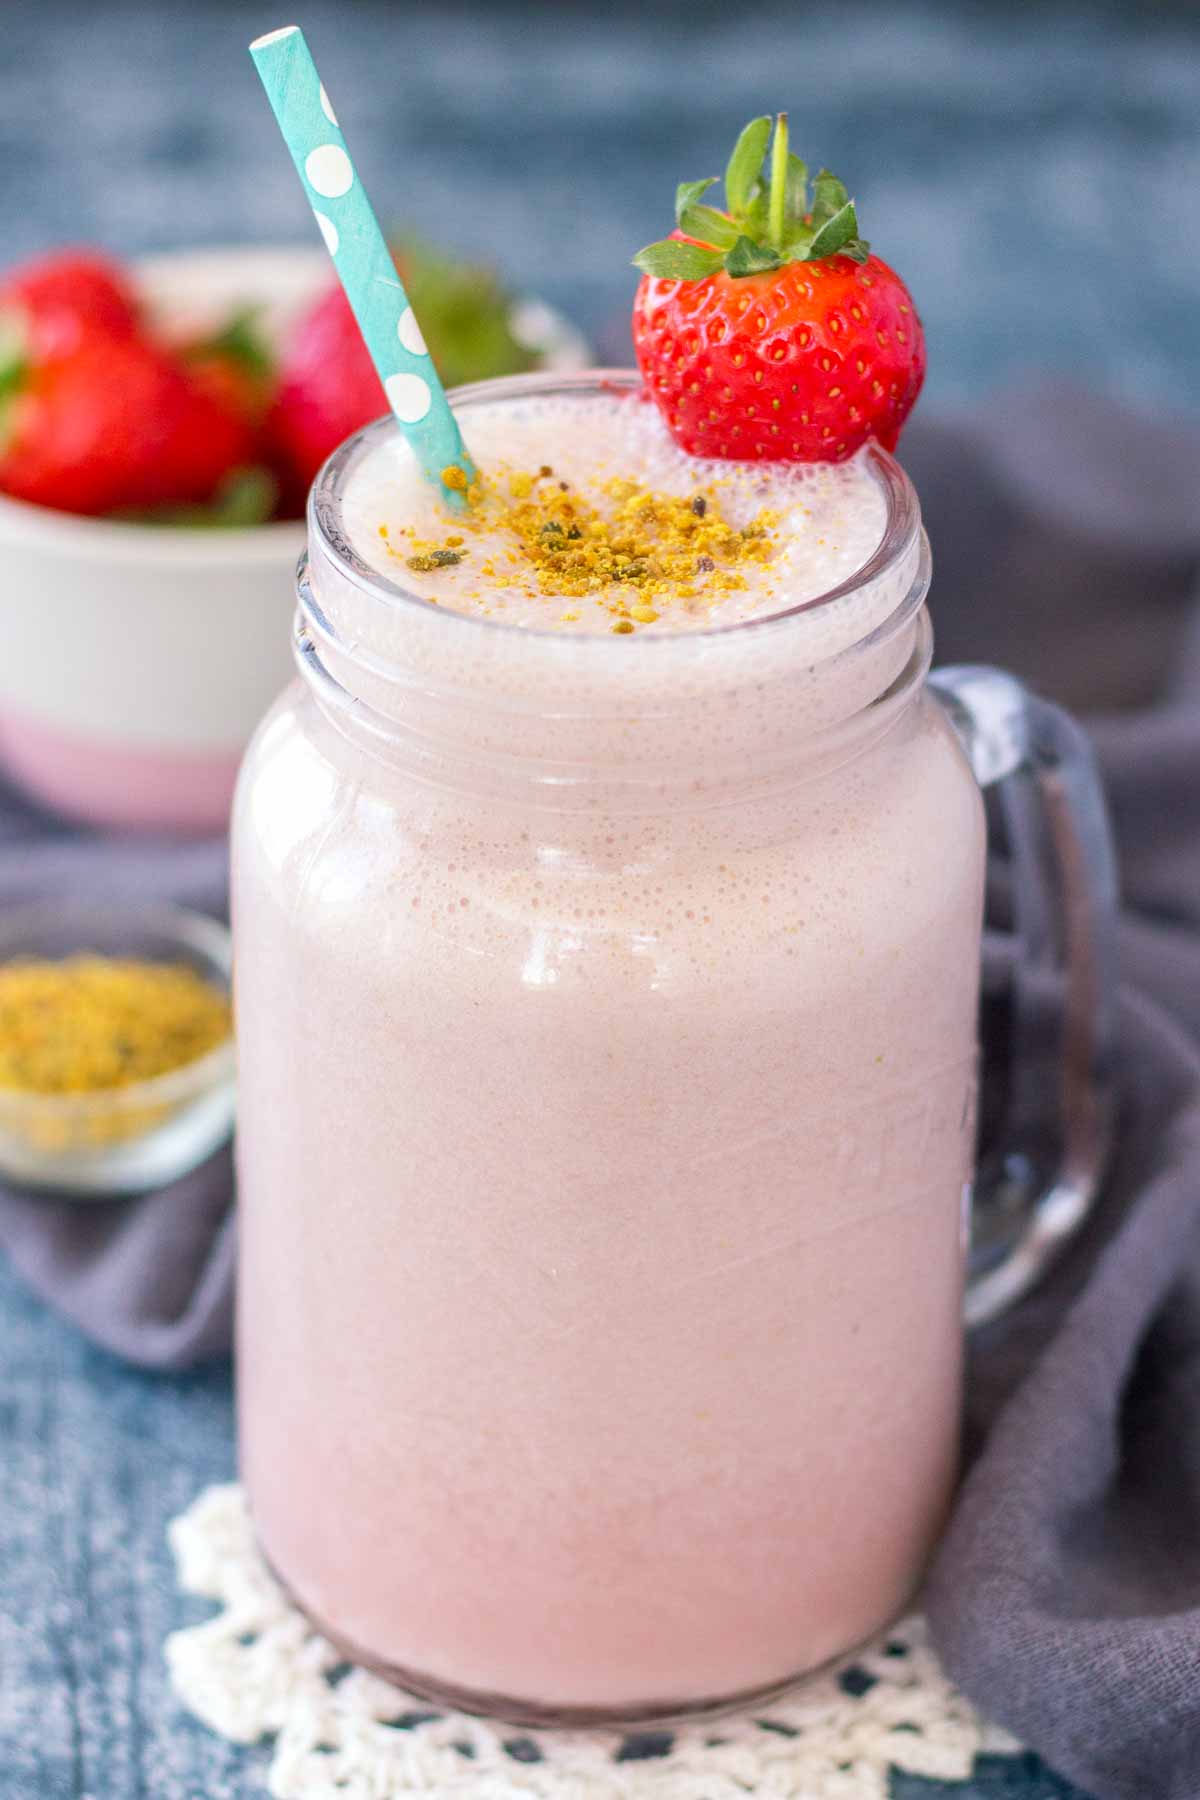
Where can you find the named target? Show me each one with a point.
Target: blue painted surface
(95, 1460)
(1034, 170)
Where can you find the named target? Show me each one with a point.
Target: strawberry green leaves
(709, 225)
(14, 371)
(745, 165)
(14, 355)
(244, 497)
(749, 258)
(768, 222)
(829, 195)
(690, 193)
(699, 221)
(671, 260)
(795, 182)
(674, 261)
(242, 340)
(835, 223)
(835, 234)
(826, 225)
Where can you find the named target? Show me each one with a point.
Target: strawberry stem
(778, 191)
(765, 223)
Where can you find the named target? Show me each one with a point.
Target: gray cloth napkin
(1066, 1595)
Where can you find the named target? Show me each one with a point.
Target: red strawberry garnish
(769, 331)
(57, 300)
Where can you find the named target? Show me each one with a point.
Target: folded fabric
(1066, 1595)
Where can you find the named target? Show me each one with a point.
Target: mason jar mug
(607, 1016)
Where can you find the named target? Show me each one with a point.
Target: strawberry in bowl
(150, 511)
(56, 300)
(114, 424)
(99, 412)
(149, 586)
(768, 330)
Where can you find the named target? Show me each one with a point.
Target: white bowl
(119, 1140)
(136, 661)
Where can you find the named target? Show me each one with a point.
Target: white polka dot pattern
(409, 333)
(409, 397)
(329, 231)
(329, 170)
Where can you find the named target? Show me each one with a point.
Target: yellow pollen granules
(435, 559)
(94, 1022)
(627, 544)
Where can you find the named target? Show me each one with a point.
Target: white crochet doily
(258, 1670)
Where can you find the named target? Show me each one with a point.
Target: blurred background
(1034, 169)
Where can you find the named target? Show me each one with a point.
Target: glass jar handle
(1038, 774)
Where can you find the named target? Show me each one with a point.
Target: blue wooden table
(1031, 170)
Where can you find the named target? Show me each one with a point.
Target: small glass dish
(119, 1140)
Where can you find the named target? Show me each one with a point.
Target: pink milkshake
(606, 1013)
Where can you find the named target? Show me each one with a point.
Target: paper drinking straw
(362, 259)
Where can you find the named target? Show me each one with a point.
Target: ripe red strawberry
(56, 300)
(76, 426)
(770, 331)
(206, 435)
(235, 365)
(112, 424)
(234, 370)
(328, 388)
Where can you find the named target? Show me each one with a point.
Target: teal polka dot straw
(361, 257)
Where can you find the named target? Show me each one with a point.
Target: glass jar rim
(901, 532)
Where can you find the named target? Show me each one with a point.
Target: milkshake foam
(824, 519)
